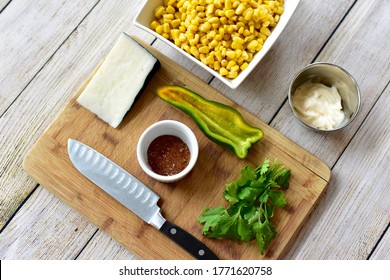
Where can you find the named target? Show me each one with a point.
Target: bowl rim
(141, 147)
(232, 83)
(319, 63)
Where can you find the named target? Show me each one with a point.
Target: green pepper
(219, 122)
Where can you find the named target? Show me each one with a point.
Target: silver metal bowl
(329, 74)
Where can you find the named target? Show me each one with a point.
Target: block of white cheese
(119, 79)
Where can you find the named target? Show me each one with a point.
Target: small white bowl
(167, 127)
(146, 14)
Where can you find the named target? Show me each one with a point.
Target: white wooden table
(48, 48)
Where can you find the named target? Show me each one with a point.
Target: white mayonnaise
(318, 105)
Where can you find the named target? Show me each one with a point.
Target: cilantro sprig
(251, 202)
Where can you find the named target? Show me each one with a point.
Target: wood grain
(49, 164)
(17, 236)
(382, 252)
(349, 49)
(356, 181)
(103, 247)
(305, 37)
(26, 48)
(41, 100)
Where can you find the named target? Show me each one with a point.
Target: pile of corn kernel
(223, 34)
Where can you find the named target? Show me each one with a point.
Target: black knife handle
(188, 242)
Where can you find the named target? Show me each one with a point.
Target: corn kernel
(223, 71)
(223, 20)
(205, 27)
(160, 29)
(168, 16)
(166, 28)
(244, 66)
(159, 11)
(232, 74)
(240, 9)
(252, 45)
(230, 64)
(230, 54)
(170, 10)
(182, 28)
(210, 9)
(154, 24)
(236, 46)
(218, 37)
(214, 20)
(238, 40)
(193, 28)
(218, 56)
(186, 47)
(175, 33)
(216, 65)
(228, 4)
(229, 13)
(213, 44)
(235, 68)
(248, 14)
(209, 60)
(265, 31)
(194, 51)
(204, 49)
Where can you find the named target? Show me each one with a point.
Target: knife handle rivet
(201, 252)
(173, 231)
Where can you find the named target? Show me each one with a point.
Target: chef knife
(133, 194)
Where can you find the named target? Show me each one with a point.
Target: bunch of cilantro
(252, 199)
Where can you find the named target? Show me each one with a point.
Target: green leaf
(277, 197)
(230, 198)
(282, 180)
(244, 230)
(265, 233)
(248, 211)
(249, 194)
(269, 209)
(231, 192)
(263, 168)
(252, 199)
(211, 217)
(248, 173)
(264, 197)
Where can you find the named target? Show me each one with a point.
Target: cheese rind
(120, 78)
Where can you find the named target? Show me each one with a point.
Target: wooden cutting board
(181, 202)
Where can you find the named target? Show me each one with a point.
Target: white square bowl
(146, 15)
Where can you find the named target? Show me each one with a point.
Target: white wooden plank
(382, 251)
(354, 211)
(31, 234)
(33, 111)
(30, 32)
(369, 63)
(38, 104)
(266, 87)
(103, 247)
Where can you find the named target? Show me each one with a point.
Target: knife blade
(133, 194)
